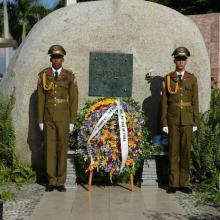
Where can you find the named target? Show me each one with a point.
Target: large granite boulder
(147, 30)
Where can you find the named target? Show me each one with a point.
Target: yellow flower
(135, 120)
(138, 133)
(113, 144)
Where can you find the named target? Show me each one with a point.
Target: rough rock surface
(147, 30)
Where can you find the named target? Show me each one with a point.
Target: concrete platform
(108, 203)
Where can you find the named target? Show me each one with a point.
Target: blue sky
(48, 3)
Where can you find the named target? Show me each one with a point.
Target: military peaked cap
(181, 52)
(56, 50)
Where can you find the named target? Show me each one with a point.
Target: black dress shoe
(187, 190)
(61, 188)
(171, 190)
(49, 188)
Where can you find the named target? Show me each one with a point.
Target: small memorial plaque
(110, 74)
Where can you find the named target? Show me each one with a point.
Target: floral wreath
(100, 136)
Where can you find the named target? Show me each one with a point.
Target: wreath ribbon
(123, 134)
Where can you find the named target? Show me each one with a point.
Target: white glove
(71, 126)
(195, 128)
(165, 129)
(41, 125)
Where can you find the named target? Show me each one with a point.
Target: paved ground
(108, 203)
(104, 202)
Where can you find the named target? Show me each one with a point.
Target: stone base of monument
(149, 174)
(71, 173)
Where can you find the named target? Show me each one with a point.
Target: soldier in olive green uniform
(179, 118)
(57, 108)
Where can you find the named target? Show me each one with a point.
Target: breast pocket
(62, 90)
(187, 92)
(188, 88)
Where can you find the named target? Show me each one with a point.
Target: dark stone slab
(110, 74)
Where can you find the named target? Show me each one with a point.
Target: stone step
(71, 173)
(149, 174)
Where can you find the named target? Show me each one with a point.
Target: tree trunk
(23, 31)
(6, 34)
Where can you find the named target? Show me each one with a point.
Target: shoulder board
(70, 71)
(64, 73)
(48, 71)
(172, 74)
(187, 74)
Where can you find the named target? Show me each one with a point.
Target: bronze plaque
(110, 74)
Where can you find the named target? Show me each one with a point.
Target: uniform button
(181, 107)
(54, 104)
(181, 94)
(55, 91)
(180, 88)
(55, 97)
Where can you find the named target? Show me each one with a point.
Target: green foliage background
(10, 167)
(205, 163)
(7, 136)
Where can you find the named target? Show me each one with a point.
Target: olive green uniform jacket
(60, 103)
(175, 113)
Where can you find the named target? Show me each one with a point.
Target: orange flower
(135, 138)
(92, 166)
(130, 142)
(129, 162)
(112, 171)
(114, 155)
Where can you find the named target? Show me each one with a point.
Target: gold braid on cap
(169, 87)
(47, 86)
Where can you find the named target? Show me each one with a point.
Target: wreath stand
(91, 176)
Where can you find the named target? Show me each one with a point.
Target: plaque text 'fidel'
(110, 74)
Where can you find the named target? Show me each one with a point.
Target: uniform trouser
(56, 143)
(179, 155)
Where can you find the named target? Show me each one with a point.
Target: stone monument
(147, 30)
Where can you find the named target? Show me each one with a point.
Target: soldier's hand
(165, 129)
(195, 128)
(71, 126)
(41, 125)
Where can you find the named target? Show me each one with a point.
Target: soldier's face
(57, 61)
(180, 63)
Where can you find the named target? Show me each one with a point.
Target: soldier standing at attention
(179, 118)
(57, 108)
